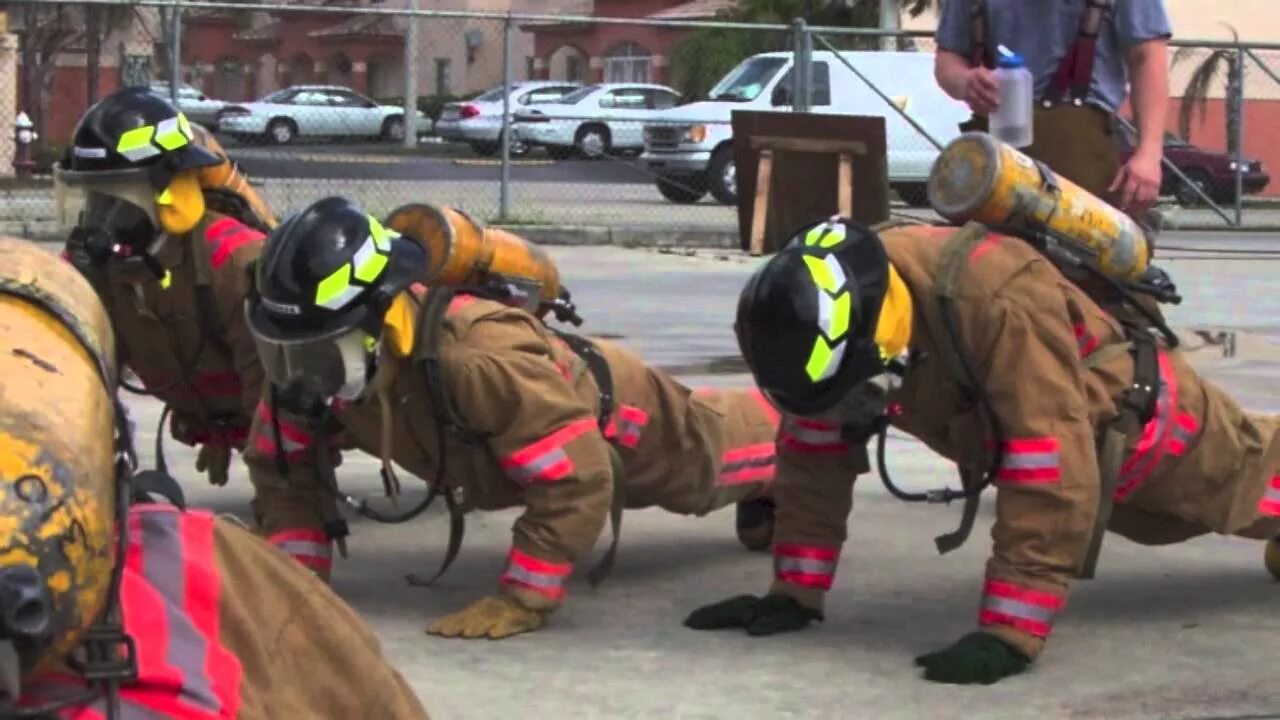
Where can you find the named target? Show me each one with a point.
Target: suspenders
(1071, 81)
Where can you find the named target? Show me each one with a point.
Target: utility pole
(411, 78)
(890, 20)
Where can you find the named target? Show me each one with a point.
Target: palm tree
(1196, 94)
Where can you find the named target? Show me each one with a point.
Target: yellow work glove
(216, 459)
(493, 617)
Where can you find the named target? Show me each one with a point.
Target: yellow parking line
(491, 163)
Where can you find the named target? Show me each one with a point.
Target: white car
(198, 107)
(315, 111)
(596, 119)
(478, 121)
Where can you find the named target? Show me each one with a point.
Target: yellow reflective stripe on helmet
(381, 236)
(826, 272)
(368, 262)
(136, 144)
(834, 314)
(824, 358)
(336, 290)
(173, 133)
(826, 235)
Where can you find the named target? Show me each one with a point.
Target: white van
(690, 150)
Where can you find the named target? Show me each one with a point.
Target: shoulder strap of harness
(1075, 72)
(980, 54)
(955, 254)
(599, 369)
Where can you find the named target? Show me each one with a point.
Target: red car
(1214, 172)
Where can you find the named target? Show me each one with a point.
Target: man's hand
(759, 616)
(1137, 186)
(493, 617)
(981, 91)
(977, 658)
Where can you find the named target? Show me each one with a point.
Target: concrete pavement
(1187, 631)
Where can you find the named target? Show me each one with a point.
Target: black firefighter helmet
(807, 319)
(329, 271)
(125, 155)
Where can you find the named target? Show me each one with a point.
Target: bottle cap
(1009, 59)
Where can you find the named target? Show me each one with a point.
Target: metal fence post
(801, 71)
(411, 78)
(1236, 105)
(175, 53)
(504, 135)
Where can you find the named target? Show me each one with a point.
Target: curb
(624, 237)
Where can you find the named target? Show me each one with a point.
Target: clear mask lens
(327, 368)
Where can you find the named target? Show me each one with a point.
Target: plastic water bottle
(1011, 123)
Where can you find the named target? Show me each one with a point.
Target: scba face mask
(338, 367)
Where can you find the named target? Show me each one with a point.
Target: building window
(528, 68)
(573, 68)
(442, 76)
(628, 62)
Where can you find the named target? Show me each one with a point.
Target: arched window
(628, 62)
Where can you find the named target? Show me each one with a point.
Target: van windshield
(748, 80)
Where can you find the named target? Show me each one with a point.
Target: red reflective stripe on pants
(1027, 609)
(546, 460)
(541, 576)
(1157, 436)
(811, 437)
(1030, 461)
(309, 547)
(806, 565)
(1270, 503)
(627, 425)
(752, 463)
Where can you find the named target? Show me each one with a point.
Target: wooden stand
(789, 148)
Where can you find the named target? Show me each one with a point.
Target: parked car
(198, 107)
(690, 148)
(595, 120)
(1213, 172)
(478, 122)
(315, 111)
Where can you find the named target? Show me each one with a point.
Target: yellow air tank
(980, 178)
(464, 252)
(57, 470)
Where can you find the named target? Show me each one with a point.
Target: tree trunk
(1234, 104)
(93, 51)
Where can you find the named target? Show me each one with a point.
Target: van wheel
(722, 176)
(682, 190)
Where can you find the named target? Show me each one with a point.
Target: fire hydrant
(23, 135)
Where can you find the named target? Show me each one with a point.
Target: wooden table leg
(760, 211)
(845, 186)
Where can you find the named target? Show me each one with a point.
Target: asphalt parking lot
(1185, 631)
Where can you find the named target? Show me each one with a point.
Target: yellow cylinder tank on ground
(980, 178)
(57, 467)
(464, 252)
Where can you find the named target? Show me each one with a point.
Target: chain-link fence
(562, 118)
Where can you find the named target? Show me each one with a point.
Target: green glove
(977, 657)
(759, 616)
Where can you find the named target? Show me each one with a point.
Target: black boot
(755, 524)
